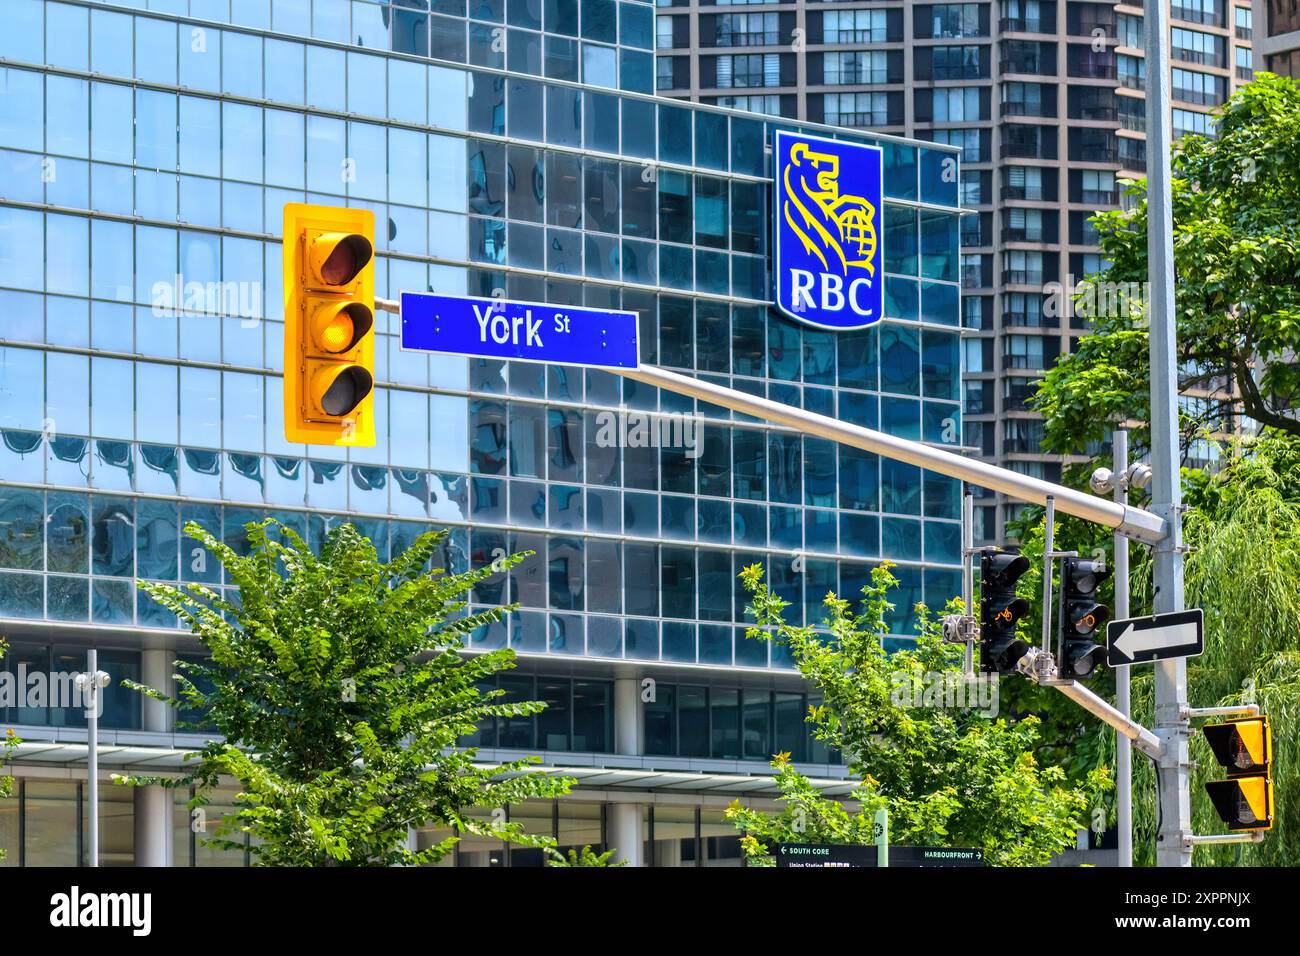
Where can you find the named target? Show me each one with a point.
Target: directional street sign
(521, 331)
(1141, 639)
(930, 856)
(802, 856)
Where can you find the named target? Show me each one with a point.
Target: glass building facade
(508, 148)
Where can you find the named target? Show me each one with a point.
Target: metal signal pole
(1174, 834)
(1123, 699)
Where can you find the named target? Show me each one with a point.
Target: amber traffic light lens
(339, 327)
(347, 259)
(337, 333)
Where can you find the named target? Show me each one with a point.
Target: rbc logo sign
(828, 206)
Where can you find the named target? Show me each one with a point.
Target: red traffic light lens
(348, 257)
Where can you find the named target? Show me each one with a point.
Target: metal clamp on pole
(964, 628)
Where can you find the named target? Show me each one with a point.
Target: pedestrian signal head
(1244, 748)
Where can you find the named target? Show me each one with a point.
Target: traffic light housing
(329, 318)
(1081, 615)
(1244, 748)
(1000, 609)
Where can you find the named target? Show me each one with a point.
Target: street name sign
(935, 856)
(1138, 640)
(519, 331)
(803, 856)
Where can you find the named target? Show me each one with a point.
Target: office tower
(1278, 38)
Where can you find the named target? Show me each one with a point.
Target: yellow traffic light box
(1244, 748)
(329, 318)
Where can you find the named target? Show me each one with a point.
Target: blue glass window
(599, 20)
(674, 134)
(939, 177)
(900, 239)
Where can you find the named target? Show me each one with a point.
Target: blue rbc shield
(827, 230)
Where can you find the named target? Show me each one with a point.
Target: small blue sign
(827, 230)
(520, 331)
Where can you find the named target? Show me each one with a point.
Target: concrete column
(156, 671)
(625, 819)
(625, 834)
(628, 738)
(670, 852)
(153, 805)
(153, 826)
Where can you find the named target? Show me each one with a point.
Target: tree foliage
(1236, 210)
(948, 776)
(338, 686)
(587, 857)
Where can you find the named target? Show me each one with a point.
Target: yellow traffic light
(1244, 748)
(1244, 745)
(329, 318)
(1243, 803)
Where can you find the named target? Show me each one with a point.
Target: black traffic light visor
(1002, 568)
(348, 257)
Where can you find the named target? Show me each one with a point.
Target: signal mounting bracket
(960, 629)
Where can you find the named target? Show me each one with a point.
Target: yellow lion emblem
(844, 227)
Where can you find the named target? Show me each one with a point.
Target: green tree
(948, 776)
(1236, 210)
(338, 685)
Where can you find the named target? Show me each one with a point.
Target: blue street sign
(522, 331)
(827, 229)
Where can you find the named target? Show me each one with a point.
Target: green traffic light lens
(346, 391)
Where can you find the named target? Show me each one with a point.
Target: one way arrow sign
(1141, 639)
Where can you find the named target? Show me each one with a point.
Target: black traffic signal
(1244, 748)
(1081, 615)
(1000, 609)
